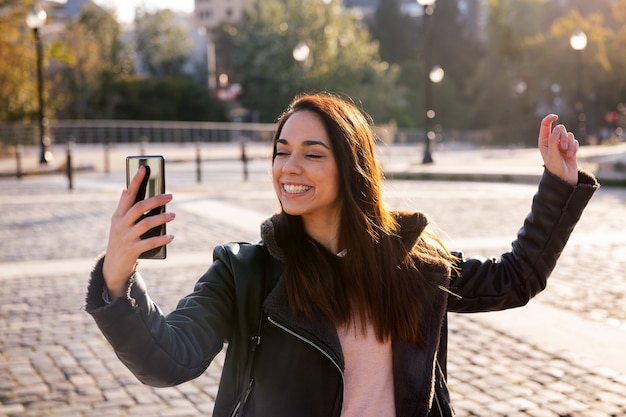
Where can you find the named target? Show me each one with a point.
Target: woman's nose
(292, 164)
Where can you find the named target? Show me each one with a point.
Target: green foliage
(527, 45)
(505, 84)
(164, 99)
(402, 40)
(342, 57)
(92, 67)
(18, 93)
(162, 46)
(115, 57)
(520, 67)
(82, 60)
(395, 32)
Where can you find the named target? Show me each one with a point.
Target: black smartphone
(152, 184)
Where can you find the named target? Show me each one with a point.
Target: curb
(45, 171)
(476, 177)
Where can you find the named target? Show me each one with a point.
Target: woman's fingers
(558, 138)
(150, 222)
(129, 194)
(138, 224)
(127, 198)
(546, 128)
(569, 145)
(144, 245)
(563, 144)
(147, 205)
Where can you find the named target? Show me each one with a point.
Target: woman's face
(305, 174)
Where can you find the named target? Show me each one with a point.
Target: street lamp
(429, 7)
(578, 42)
(301, 52)
(436, 74)
(35, 21)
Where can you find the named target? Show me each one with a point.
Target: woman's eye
(313, 156)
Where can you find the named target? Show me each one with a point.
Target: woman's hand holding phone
(125, 244)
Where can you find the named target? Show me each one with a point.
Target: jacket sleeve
(511, 281)
(166, 350)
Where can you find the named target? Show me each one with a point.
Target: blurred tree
(18, 94)
(395, 32)
(586, 7)
(116, 57)
(86, 62)
(616, 50)
(596, 65)
(92, 77)
(458, 53)
(76, 77)
(615, 85)
(507, 81)
(224, 38)
(338, 56)
(161, 44)
(164, 98)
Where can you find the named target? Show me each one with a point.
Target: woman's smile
(295, 188)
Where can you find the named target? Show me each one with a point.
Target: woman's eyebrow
(310, 142)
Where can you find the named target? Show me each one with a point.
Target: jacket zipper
(311, 343)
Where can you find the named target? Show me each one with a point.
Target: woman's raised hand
(125, 244)
(558, 149)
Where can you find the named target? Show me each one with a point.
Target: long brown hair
(378, 280)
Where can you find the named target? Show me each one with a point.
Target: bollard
(244, 158)
(19, 153)
(198, 163)
(69, 167)
(142, 145)
(107, 156)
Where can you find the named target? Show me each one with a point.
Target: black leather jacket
(298, 364)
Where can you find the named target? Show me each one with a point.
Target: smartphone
(152, 184)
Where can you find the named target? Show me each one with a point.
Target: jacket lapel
(318, 330)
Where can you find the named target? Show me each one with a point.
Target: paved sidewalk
(559, 356)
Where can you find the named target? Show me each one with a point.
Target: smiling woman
(341, 308)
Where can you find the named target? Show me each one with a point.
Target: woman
(341, 308)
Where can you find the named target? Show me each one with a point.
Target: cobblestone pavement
(54, 361)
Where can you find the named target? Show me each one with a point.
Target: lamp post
(435, 76)
(578, 42)
(429, 7)
(35, 21)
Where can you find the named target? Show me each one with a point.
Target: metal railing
(127, 131)
(15, 136)
(130, 131)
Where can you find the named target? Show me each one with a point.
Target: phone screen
(153, 184)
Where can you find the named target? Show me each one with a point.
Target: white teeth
(294, 189)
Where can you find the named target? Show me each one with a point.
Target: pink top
(368, 376)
